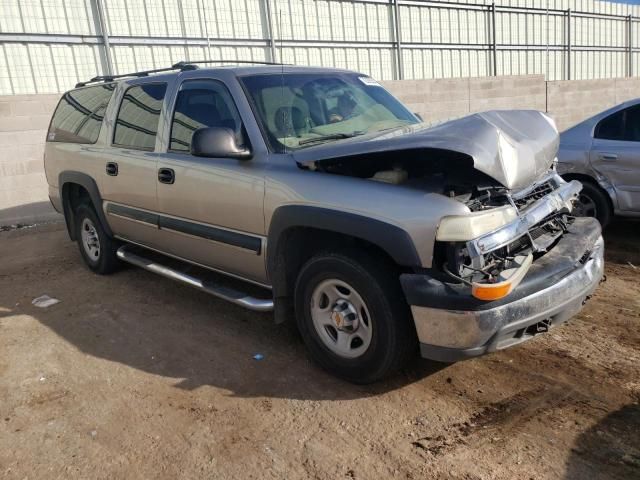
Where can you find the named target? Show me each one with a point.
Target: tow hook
(587, 298)
(540, 327)
(543, 326)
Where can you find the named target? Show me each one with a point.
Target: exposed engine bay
(452, 174)
(446, 172)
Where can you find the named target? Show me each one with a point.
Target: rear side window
(622, 125)
(78, 116)
(137, 121)
(612, 127)
(200, 104)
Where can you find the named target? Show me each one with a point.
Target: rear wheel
(353, 317)
(97, 249)
(593, 202)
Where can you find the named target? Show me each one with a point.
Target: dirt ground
(134, 376)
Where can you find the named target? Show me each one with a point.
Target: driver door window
(201, 104)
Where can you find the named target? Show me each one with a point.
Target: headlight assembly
(462, 228)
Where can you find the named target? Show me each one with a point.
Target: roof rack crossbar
(143, 73)
(182, 66)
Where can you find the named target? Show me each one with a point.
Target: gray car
(603, 153)
(328, 202)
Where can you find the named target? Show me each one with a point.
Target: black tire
(593, 202)
(392, 339)
(104, 260)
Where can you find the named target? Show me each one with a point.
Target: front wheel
(353, 317)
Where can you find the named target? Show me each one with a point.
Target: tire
(98, 250)
(593, 202)
(372, 292)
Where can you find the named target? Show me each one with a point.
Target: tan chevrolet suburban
(321, 197)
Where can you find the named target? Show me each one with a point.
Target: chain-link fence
(49, 45)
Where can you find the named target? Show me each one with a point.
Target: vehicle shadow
(622, 242)
(614, 442)
(152, 324)
(30, 213)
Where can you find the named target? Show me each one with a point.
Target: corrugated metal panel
(48, 45)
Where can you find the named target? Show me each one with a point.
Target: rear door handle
(166, 175)
(112, 169)
(608, 156)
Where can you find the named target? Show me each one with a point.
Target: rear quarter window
(79, 114)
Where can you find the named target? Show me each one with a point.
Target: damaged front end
(493, 247)
(515, 262)
(499, 164)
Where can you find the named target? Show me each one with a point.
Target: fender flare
(395, 241)
(89, 184)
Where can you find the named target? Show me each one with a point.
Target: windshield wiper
(331, 136)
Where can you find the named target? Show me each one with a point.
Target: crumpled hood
(514, 147)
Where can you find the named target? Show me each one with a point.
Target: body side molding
(216, 234)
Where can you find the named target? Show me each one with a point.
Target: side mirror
(217, 142)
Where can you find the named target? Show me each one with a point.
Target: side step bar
(229, 294)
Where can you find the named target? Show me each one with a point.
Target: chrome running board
(239, 298)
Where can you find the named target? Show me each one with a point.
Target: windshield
(301, 110)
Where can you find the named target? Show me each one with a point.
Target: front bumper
(452, 325)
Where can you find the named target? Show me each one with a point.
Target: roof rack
(234, 62)
(144, 73)
(182, 66)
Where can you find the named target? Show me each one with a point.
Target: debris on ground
(44, 301)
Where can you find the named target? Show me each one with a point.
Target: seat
(289, 122)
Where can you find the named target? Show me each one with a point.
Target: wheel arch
(68, 183)
(584, 178)
(296, 232)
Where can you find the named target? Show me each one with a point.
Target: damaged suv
(315, 193)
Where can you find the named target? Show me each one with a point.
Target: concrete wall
(24, 120)
(570, 102)
(437, 100)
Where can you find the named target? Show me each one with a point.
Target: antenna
(285, 111)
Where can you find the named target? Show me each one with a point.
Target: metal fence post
(269, 24)
(398, 42)
(101, 21)
(630, 46)
(494, 40)
(568, 44)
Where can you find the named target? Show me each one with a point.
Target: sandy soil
(133, 376)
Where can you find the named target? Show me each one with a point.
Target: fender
(89, 184)
(395, 241)
(598, 180)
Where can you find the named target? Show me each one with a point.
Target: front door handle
(112, 169)
(166, 175)
(609, 156)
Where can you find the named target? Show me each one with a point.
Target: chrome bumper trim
(487, 330)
